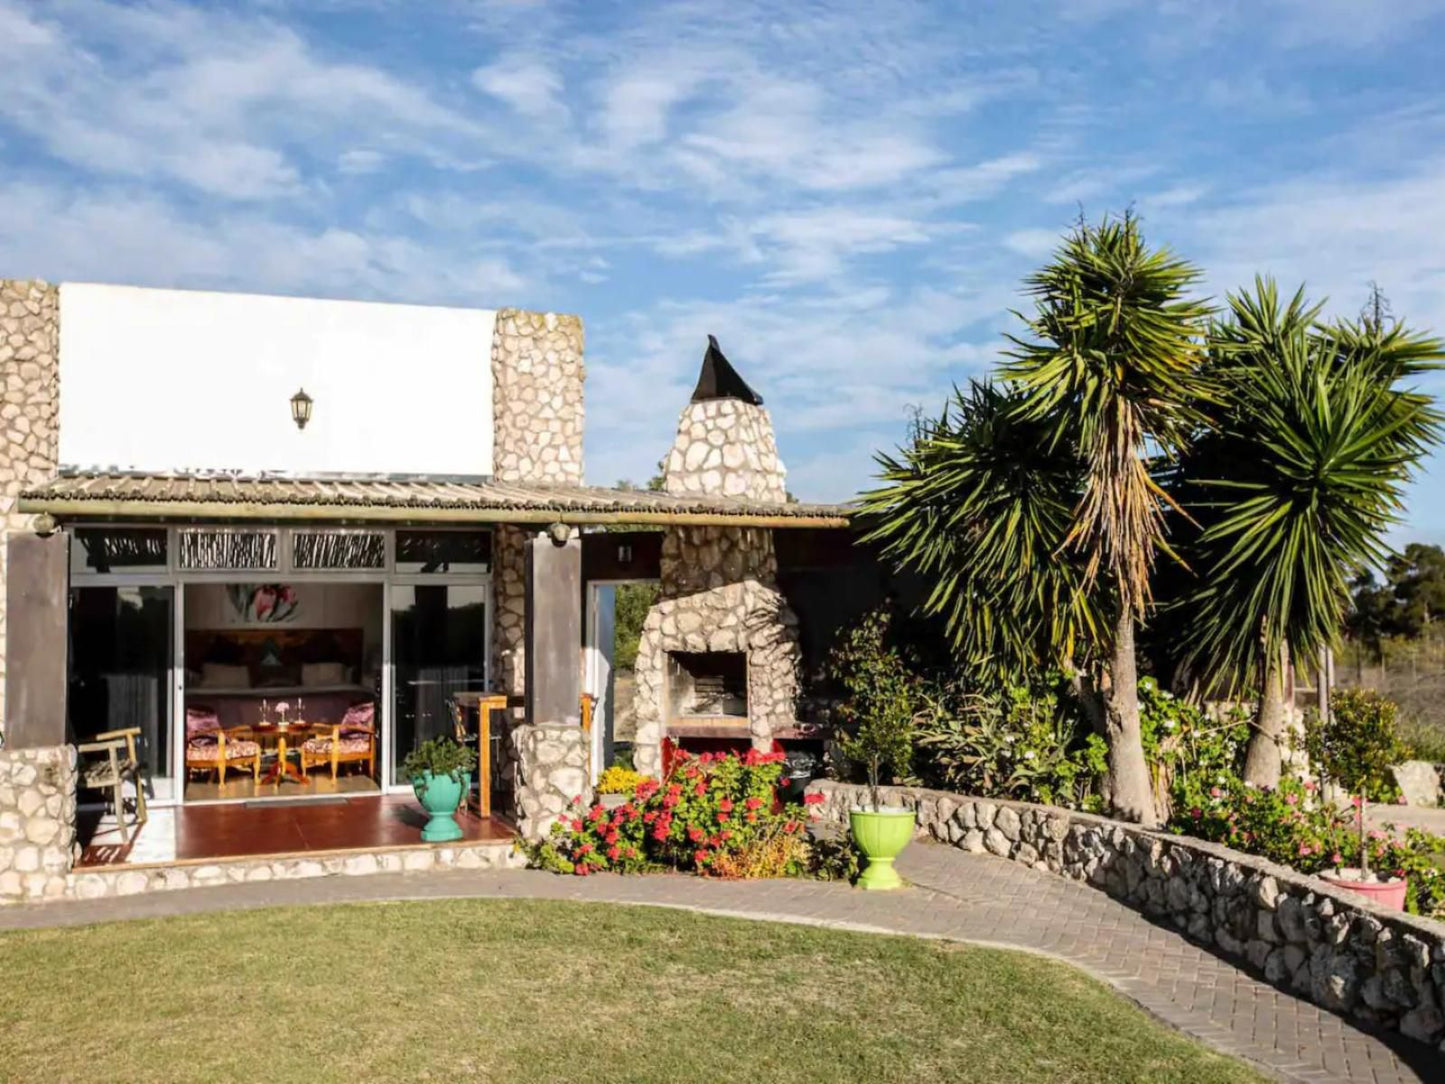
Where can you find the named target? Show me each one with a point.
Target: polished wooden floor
(267, 828)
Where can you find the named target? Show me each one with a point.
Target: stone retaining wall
(1322, 943)
(37, 822)
(90, 884)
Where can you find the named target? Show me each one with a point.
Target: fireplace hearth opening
(705, 685)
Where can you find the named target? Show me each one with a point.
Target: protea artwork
(264, 603)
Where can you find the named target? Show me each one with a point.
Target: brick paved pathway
(956, 896)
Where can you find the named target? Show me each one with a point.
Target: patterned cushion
(349, 744)
(360, 716)
(208, 749)
(200, 720)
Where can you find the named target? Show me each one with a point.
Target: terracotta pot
(1390, 894)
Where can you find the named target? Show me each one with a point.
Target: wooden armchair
(106, 763)
(215, 750)
(351, 741)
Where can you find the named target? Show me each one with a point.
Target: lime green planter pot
(881, 835)
(440, 795)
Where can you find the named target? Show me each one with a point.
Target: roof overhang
(86, 496)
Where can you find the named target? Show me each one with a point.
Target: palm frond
(979, 506)
(1113, 363)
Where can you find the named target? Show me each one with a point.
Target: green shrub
(1292, 826)
(882, 700)
(1023, 744)
(1359, 745)
(440, 756)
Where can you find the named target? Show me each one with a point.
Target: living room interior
(283, 685)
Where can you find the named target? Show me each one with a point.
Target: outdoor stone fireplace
(706, 687)
(719, 652)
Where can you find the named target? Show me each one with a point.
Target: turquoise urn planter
(440, 795)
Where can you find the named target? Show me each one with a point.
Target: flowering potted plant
(1355, 749)
(879, 716)
(440, 771)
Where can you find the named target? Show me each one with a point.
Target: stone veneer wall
(1322, 943)
(718, 593)
(37, 822)
(29, 412)
(537, 417)
(89, 884)
(726, 448)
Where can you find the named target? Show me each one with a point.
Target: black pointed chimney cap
(719, 380)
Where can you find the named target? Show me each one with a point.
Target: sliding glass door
(438, 648)
(121, 650)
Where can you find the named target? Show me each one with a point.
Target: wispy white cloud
(530, 87)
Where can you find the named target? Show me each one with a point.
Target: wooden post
(37, 601)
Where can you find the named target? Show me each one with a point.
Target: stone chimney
(724, 445)
(719, 610)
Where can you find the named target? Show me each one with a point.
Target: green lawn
(543, 991)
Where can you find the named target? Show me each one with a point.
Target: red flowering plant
(596, 840)
(718, 815)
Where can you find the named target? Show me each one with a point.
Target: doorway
(616, 610)
(282, 689)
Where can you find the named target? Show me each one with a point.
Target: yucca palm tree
(979, 505)
(1294, 488)
(1112, 367)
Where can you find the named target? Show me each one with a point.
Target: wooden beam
(69, 509)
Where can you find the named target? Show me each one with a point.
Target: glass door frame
(164, 789)
(177, 578)
(388, 679)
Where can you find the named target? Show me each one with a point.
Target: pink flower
(1337, 858)
(1291, 799)
(613, 852)
(1215, 792)
(1304, 849)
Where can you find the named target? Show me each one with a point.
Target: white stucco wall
(160, 380)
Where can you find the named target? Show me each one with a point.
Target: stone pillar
(37, 822)
(37, 601)
(29, 413)
(551, 772)
(537, 420)
(537, 416)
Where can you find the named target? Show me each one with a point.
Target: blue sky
(847, 194)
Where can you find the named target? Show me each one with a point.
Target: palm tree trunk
(1262, 760)
(1130, 793)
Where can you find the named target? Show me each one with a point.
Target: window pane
(118, 549)
(443, 551)
(338, 549)
(204, 550)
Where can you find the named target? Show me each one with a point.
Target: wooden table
(275, 736)
(486, 703)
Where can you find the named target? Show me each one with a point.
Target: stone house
(234, 514)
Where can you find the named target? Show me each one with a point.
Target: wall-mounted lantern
(301, 408)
